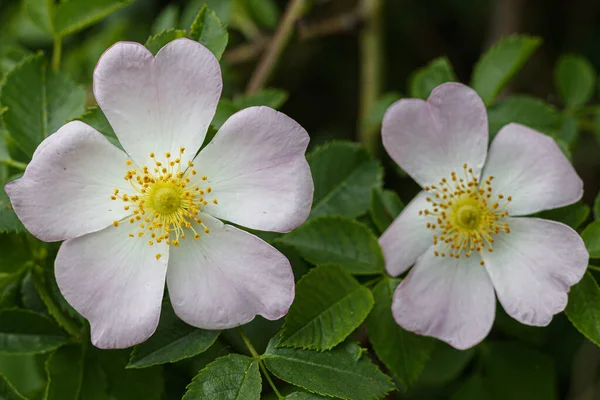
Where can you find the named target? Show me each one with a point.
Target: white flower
(464, 232)
(133, 219)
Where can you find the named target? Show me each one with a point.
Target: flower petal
(258, 172)
(407, 238)
(429, 140)
(533, 267)
(530, 167)
(158, 104)
(66, 188)
(115, 282)
(227, 277)
(452, 300)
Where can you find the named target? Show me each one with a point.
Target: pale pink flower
(464, 232)
(133, 219)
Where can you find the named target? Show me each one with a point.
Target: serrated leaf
(39, 102)
(9, 289)
(64, 370)
(344, 372)
(573, 215)
(208, 30)
(329, 305)
(583, 308)
(25, 332)
(338, 240)
(304, 396)
(500, 63)
(427, 78)
(158, 41)
(404, 353)
(40, 12)
(591, 238)
(575, 80)
(234, 377)
(526, 110)
(273, 98)
(344, 174)
(9, 222)
(174, 340)
(8, 391)
(74, 15)
(385, 207)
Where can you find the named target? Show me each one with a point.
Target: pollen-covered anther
(165, 200)
(464, 216)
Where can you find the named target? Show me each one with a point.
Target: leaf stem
(593, 267)
(14, 164)
(371, 58)
(56, 52)
(256, 356)
(282, 36)
(374, 281)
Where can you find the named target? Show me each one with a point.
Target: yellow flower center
(464, 216)
(165, 200)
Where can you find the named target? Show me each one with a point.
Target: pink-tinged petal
(158, 104)
(431, 139)
(66, 188)
(531, 168)
(227, 277)
(447, 298)
(115, 282)
(533, 267)
(407, 238)
(258, 172)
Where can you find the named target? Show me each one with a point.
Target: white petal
(227, 277)
(407, 238)
(158, 104)
(452, 300)
(533, 267)
(115, 282)
(66, 188)
(429, 140)
(530, 167)
(258, 172)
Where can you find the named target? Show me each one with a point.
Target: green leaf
(473, 389)
(445, 364)
(264, 12)
(375, 117)
(41, 12)
(95, 118)
(8, 391)
(404, 353)
(591, 238)
(526, 110)
(64, 369)
(39, 102)
(225, 109)
(304, 396)
(208, 30)
(597, 206)
(167, 19)
(338, 240)
(500, 63)
(9, 289)
(173, 341)
(23, 331)
(158, 41)
(329, 305)
(273, 98)
(234, 377)
(513, 371)
(573, 215)
(74, 15)
(583, 308)
(385, 207)
(9, 222)
(575, 80)
(344, 372)
(427, 78)
(344, 174)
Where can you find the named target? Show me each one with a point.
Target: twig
(346, 22)
(256, 356)
(282, 36)
(371, 56)
(56, 53)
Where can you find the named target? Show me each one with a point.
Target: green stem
(374, 281)
(14, 164)
(56, 53)
(256, 356)
(592, 267)
(371, 58)
(283, 34)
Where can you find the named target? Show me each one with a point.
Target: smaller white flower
(133, 219)
(464, 232)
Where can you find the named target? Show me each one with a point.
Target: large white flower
(464, 232)
(133, 219)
